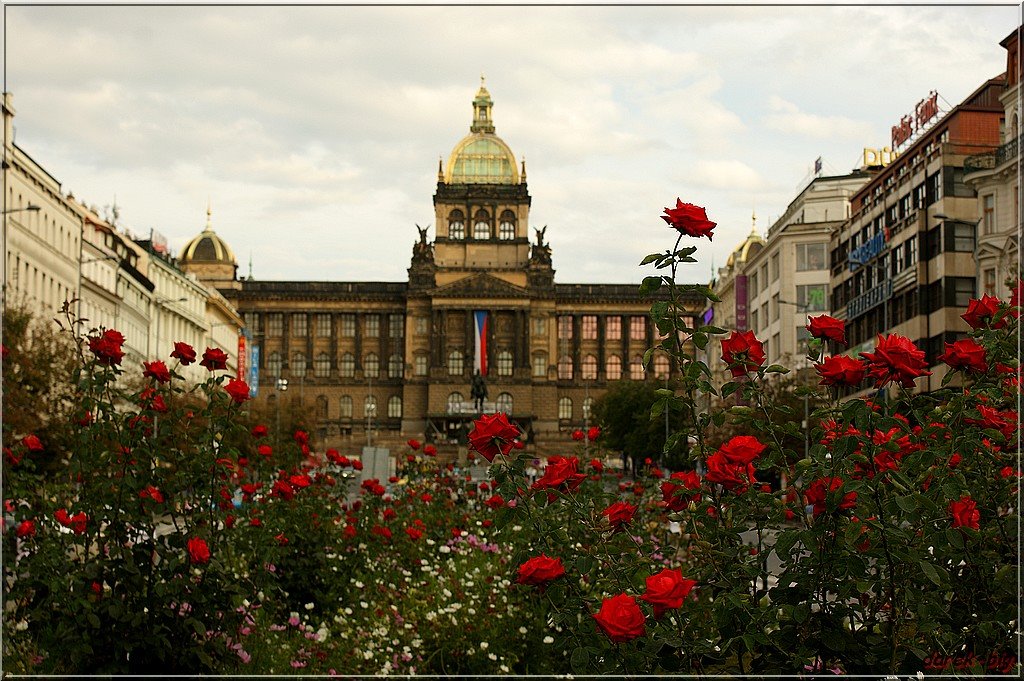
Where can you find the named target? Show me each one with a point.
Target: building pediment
(480, 285)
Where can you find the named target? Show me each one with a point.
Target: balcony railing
(1008, 151)
(993, 159)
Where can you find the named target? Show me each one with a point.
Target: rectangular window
(752, 286)
(348, 325)
(299, 325)
(801, 341)
(960, 237)
(396, 326)
(775, 267)
(275, 324)
(810, 256)
(990, 282)
(421, 326)
(963, 291)
(613, 328)
(904, 206)
(540, 366)
(753, 321)
(372, 328)
(775, 307)
(589, 327)
(910, 255)
(564, 327)
(323, 325)
(764, 313)
(933, 188)
(811, 297)
(540, 326)
(638, 328)
(777, 346)
(251, 320)
(420, 365)
(764, 275)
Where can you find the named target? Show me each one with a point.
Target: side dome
(481, 157)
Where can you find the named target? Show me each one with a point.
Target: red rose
(151, 492)
(430, 450)
(619, 514)
(357, 465)
(214, 359)
(726, 474)
(198, 551)
(381, 531)
(840, 370)
(492, 434)
(560, 473)
(965, 513)
(677, 502)
(895, 358)
(742, 449)
(238, 390)
(981, 312)
(259, 431)
(827, 328)
(742, 352)
(689, 219)
(413, 444)
(184, 353)
(264, 450)
(157, 371)
(620, 618)
(78, 522)
(597, 465)
(666, 590)
(577, 435)
(540, 570)
(32, 443)
(413, 533)
(966, 355)
(496, 501)
(62, 517)
(593, 433)
(107, 347)
(818, 491)
(26, 528)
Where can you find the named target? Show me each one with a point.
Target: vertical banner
(480, 342)
(243, 357)
(254, 370)
(741, 302)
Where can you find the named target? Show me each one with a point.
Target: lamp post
(282, 386)
(30, 207)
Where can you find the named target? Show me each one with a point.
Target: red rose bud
(597, 465)
(980, 313)
(577, 435)
(689, 219)
(184, 353)
(742, 353)
(827, 328)
(620, 618)
(593, 433)
(965, 513)
(413, 444)
(619, 514)
(238, 390)
(259, 431)
(680, 480)
(157, 371)
(414, 534)
(26, 528)
(496, 501)
(540, 570)
(32, 443)
(430, 450)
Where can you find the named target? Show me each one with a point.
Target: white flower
(522, 630)
(364, 605)
(492, 656)
(359, 585)
(367, 655)
(483, 645)
(548, 639)
(309, 606)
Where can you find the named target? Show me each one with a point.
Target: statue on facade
(540, 235)
(478, 391)
(541, 252)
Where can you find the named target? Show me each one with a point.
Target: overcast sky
(315, 132)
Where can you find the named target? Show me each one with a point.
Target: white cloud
(786, 117)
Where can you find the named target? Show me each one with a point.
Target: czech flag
(480, 342)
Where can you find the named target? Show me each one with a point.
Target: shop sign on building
(912, 123)
(868, 250)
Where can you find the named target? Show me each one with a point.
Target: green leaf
(651, 258)
(579, 659)
(784, 544)
(650, 285)
(930, 572)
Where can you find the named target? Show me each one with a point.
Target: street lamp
(30, 207)
(282, 386)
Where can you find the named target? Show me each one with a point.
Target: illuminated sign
(879, 157)
(254, 370)
(241, 373)
(869, 300)
(868, 250)
(912, 123)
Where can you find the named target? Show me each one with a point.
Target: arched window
(504, 403)
(420, 363)
(588, 367)
(540, 365)
(345, 404)
(395, 366)
(370, 406)
(321, 406)
(274, 364)
(587, 404)
(482, 225)
(322, 365)
(455, 401)
(613, 368)
(298, 366)
(507, 226)
(456, 225)
(504, 363)
(347, 365)
(636, 368)
(661, 366)
(565, 367)
(455, 363)
(394, 407)
(371, 366)
(564, 408)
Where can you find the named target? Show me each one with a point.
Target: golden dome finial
(209, 213)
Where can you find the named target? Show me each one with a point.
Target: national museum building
(388, 361)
